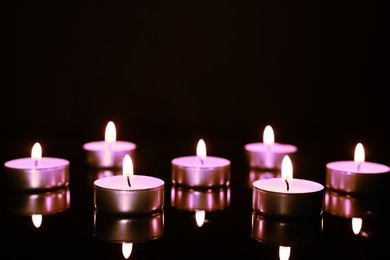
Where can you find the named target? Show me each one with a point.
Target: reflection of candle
(286, 232)
(269, 154)
(110, 152)
(349, 206)
(36, 172)
(287, 197)
(38, 204)
(201, 170)
(205, 199)
(128, 230)
(128, 194)
(357, 176)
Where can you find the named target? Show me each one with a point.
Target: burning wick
(36, 153)
(127, 168)
(359, 156)
(201, 151)
(288, 186)
(287, 172)
(110, 134)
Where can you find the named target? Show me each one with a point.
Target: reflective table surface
(194, 223)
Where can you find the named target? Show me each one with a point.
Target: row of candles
(130, 194)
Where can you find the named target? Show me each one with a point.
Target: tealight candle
(200, 170)
(128, 194)
(268, 154)
(287, 197)
(36, 172)
(357, 176)
(110, 152)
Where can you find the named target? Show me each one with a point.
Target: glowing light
(110, 134)
(36, 152)
(200, 217)
(127, 248)
(287, 169)
(359, 154)
(127, 166)
(284, 252)
(201, 149)
(37, 220)
(357, 225)
(268, 135)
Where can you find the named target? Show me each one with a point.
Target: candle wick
(288, 186)
(201, 161)
(128, 181)
(36, 163)
(359, 166)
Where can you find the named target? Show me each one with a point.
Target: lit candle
(36, 172)
(38, 204)
(200, 170)
(128, 229)
(128, 193)
(287, 196)
(268, 154)
(357, 176)
(110, 152)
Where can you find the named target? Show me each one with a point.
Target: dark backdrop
(314, 70)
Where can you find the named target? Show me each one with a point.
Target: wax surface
(295, 186)
(138, 182)
(115, 146)
(365, 167)
(274, 148)
(194, 161)
(43, 163)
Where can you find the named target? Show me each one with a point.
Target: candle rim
(160, 184)
(89, 146)
(225, 161)
(10, 164)
(287, 148)
(319, 187)
(382, 168)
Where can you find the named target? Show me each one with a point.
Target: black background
(171, 72)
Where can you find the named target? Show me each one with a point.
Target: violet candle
(268, 154)
(128, 194)
(110, 152)
(287, 197)
(200, 170)
(36, 172)
(357, 176)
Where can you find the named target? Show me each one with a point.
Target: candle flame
(287, 169)
(110, 134)
(127, 248)
(200, 217)
(284, 252)
(359, 153)
(37, 220)
(127, 166)
(36, 152)
(268, 135)
(201, 150)
(357, 225)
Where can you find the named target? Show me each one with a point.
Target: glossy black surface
(227, 231)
